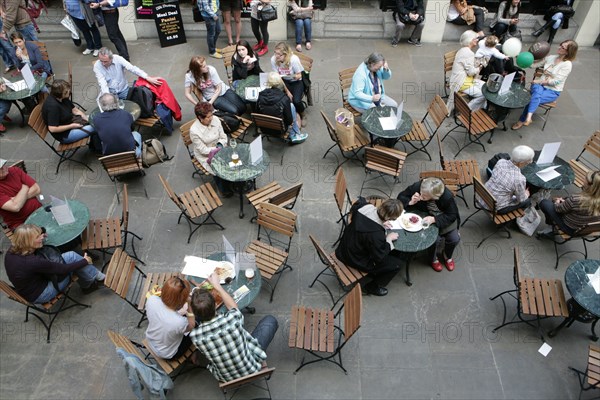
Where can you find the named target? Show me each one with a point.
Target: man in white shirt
(110, 73)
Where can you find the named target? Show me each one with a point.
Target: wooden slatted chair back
(275, 218)
(306, 61)
(264, 373)
(119, 273)
(7, 231)
(270, 123)
(341, 192)
(197, 93)
(172, 195)
(462, 108)
(154, 279)
(36, 122)
(441, 149)
(288, 197)
(121, 163)
(580, 171)
(589, 229)
(125, 210)
(448, 63)
(187, 141)
(593, 369)
(485, 195)
(517, 267)
(352, 312)
(592, 146)
(12, 294)
(449, 178)
(126, 344)
(345, 77)
(227, 53)
(323, 256)
(43, 50)
(437, 111)
(169, 366)
(330, 128)
(381, 160)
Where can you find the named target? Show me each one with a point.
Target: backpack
(494, 160)
(230, 122)
(34, 9)
(143, 97)
(154, 152)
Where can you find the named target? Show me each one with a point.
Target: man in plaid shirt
(507, 184)
(232, 352)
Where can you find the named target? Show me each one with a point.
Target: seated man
(18, 193)
(366, 246)
(231, 351)
(110, 73)
(507, 184)
(114, 128)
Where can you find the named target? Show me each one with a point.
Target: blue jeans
(6, 50)
(78, 134)
(138, 139)
(539, 95)
(4, 107)
(307, 25)
(86, 276)
(230, 102)
(28, 32)
(213, 30)
(93, 41)
(295, 128)
(265, 331)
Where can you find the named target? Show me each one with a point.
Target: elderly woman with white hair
(432, 197)
(507, 184)
(367, 84)
(464, 73)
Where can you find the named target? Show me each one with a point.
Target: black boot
(542, 29)
(551, 36)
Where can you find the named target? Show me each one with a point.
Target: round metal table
(14, 96)
(241, 85)
(413, 242)
(57, 234)
(516, 97)
(567, 176)
(370, 122)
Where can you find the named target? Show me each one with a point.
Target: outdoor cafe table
(567, 176)
(516, 97)
(13, 96)
(370, 122)
(584, 306)
(413, 242)
(132, 107)
(241, 174)
(57, 234)
(241, 85)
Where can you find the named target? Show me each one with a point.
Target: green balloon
(525, 59)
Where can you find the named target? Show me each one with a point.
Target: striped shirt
(573, 214)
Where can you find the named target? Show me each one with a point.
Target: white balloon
(512, 47)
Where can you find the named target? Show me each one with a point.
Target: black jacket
(402, 11)
(445, 203)
(363, 244)
(276, 103)
(240, 71)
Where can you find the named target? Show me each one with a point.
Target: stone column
(435, 21)
(278, 28)
(127, 21)
(586, 16)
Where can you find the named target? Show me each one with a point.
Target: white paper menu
(61, 211)
(229, 251)
(256, 150)
(391, 123)
(506, 82)
(28, 76)
(548, 153)
(547, 174)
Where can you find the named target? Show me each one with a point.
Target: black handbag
(267, 12)
(196, 14)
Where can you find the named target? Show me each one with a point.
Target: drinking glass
(233, 144)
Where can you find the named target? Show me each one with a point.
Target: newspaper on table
(61, 211)
(393, 121)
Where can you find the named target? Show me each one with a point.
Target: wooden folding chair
(587, 161)
(542, 298)
(488, 205)
(383, 161)
(273, 193)
(313, 330)
(590, 378)
(199, 202)
(70, 80)
(342, 201)
(307, 63)
(117, 165)
(467, 170)
(345, 77)
(240, 132)
(360, 141)
(227, 53)
(276, 227)
(110, 233)
(64, 151)
(346, 276)
(422, 132)
(271, 127)
(448, 63)
(51, 309)
(187, 141)
(476, 123)
(263, 375)
(152, 279)
(46, 57)
(450, 179)
(587, 233)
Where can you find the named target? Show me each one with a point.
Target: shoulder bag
(266, 12)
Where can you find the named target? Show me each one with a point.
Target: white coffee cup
(249, 273)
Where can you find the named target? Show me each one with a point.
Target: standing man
(209, 9)
(231, 351)
(111, 22)
(409, 12)
(114, 128)
(18, 193)
(228, 7)
(14, 14)
(110, 73)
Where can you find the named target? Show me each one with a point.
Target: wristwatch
(190, 315)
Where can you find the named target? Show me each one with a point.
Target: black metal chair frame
(579, 234)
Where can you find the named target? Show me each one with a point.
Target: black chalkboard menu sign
(169, 25)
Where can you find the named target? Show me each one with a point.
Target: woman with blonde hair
(573, 212)
(169, 319)
(289, 67)
(211, 88)
(32, 274)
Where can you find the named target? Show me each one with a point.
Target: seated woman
(507, 184)
(459, 14)
(244, 61)
(558, 13)
(169, 319)
(575, 211)
(29, 53)
(367, 88)
(289, 67)
(274, 102)
(507, 18)
(366, 246)
(432, 197)
(31, 273)
(212, 89)
(550, 85)
(65, 122)
(464, 71)
(208, 137)
(302, 13)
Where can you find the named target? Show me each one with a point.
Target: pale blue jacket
(361, 91)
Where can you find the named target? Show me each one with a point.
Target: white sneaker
(87, 51)
(96, 53)
(299, 138)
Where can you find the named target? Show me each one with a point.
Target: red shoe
(449, 264)
(263, 50)
(2, 128)
(258, 46)
(437, 266)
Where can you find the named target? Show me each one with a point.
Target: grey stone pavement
(429, 341)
